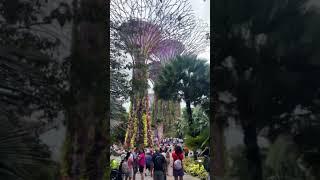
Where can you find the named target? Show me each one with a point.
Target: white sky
(201, 9)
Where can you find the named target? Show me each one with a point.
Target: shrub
(195, 169)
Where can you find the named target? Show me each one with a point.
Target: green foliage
(119, 126)
(265, 52)
(119, 83)
(135, 129)
(181, 127)
(200, 122)
(281, 161)
(186, 77)
(145, 129)
(22, 154)
(238, 164)
(195, 169)
(198, 141)
(31, 73)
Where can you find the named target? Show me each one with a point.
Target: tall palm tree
(187, 78)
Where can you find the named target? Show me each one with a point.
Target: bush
(195, 169)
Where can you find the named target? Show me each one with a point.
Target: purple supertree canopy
(140, 35)
(168, 49)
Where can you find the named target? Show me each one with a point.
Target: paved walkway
(185, 177)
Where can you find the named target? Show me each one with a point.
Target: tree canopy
(187, 78)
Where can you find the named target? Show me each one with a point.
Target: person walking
(177, 157)
(170, 166)
(149, 163)
(186, 151)
(134, 155)
(127, 167)
(142, 163)
(159, 162)
(168, 161)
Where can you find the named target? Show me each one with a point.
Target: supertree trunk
(138, 115)
(130, 128)
(149, 131)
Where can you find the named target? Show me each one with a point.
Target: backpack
(177, 164)
(125, 167)
(158, 161)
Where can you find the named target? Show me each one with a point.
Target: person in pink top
(142, 163)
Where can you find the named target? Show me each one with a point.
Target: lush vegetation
(187, 78)
(195, 169)
(200, 129)
(266, 57)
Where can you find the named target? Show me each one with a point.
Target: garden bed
(195, 169)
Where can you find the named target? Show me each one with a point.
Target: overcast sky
(201, 9)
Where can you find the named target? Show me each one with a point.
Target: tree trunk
(149, 131)
(248, 115)
(140, 133)
(218, 149)
(217, 154)
(87, 124)
(189, 112)
(138, 101)
(252, 151)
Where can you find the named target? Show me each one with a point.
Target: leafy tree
(185, 78)
(199, 130)
(32, 80)
(119, 126)
(261, 45)
(119, 83)
(32, 76)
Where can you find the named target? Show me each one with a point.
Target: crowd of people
(159, 163)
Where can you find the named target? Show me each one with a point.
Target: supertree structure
(198, 39)
(142, 25)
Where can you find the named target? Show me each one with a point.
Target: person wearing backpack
(159, 166)
(177, 157)
(126, 167)
(149, 163)
(142, 163)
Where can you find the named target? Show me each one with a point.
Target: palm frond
(21, 154)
